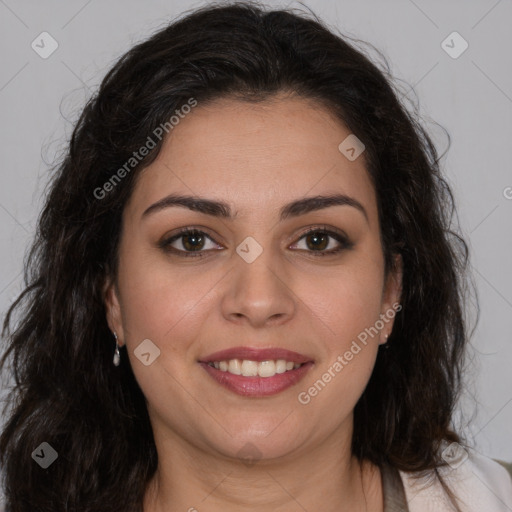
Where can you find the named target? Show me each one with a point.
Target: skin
(256, 158)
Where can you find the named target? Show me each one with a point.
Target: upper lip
(256, 354)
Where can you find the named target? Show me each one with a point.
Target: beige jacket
(479, 483)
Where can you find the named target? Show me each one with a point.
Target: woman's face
(253, 280)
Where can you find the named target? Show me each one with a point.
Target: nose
(259, 293)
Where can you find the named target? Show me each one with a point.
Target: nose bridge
(258, 289)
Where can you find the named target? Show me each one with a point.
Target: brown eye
(193, 241)
(187, 242)
(317, 241)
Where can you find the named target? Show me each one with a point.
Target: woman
(244, 279)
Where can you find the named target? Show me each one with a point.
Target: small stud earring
(117, 355)
(386, 346)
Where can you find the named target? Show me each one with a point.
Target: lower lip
(258, 386)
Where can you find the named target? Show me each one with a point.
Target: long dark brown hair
(59, 348)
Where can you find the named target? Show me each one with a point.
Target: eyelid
(324, 229)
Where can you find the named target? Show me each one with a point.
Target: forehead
(255, 156)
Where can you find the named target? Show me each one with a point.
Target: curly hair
(60, 348)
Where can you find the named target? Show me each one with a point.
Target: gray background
(471, 96)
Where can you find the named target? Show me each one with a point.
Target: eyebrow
(223, 210)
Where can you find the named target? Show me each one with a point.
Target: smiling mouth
(250, 368)
(256, 385)
(256, 372)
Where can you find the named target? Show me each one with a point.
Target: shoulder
(478, 482)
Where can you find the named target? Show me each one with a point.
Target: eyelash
(345, 243)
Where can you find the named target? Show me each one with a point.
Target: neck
(190, 479)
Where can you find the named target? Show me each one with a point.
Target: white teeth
(280, 366)
(267, 369)
(248, 368)
(235, 367)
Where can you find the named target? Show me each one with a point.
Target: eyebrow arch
(223, 210)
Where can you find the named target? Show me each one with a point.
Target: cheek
(348, 306)
(347, 302)
(165, 303)
(167, 306)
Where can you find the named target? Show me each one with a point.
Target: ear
(391, 296)
(113, 309)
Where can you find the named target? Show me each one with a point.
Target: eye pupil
(197, 241)
(319, 241)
